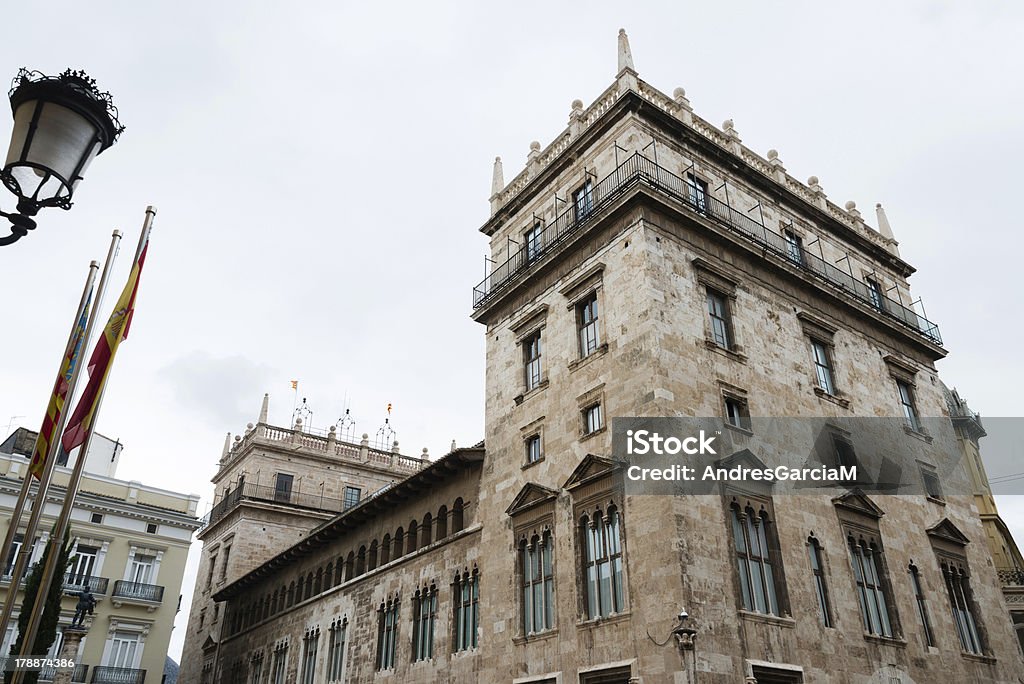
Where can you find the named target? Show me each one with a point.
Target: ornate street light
(60, 124)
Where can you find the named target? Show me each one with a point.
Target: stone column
(69, 651)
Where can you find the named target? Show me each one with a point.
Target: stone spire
(497, 178)
(885, 229)
(264, 410)
(625, 55)
(227, 448)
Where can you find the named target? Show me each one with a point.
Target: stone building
(131, 542)
(647, 263)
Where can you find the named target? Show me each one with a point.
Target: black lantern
(60, 124)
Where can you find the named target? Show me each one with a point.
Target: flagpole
(18, 567)
(57, 538)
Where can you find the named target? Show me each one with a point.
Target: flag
(60, 392)
(389, 408)
(81, 421)
(295, 384)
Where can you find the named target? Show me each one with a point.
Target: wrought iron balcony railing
(638, 169)
(138, 590)
(74, 583)
(252, 492)
(117, 675)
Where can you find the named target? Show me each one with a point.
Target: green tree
(47, 631)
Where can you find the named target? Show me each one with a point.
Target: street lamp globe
(61, 123)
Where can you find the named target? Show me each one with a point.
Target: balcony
(1011, 577)
(138, 591)
(75, 583)
(639, 170)
(253, 492)
(118, 675)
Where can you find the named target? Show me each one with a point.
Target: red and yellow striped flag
(81, 421)
(60, 392)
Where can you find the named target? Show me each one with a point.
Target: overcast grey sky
(321, 170)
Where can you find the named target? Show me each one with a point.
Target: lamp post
(61, 123)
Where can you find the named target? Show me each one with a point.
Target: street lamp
(60, 124)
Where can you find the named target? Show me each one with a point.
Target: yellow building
(131, 542)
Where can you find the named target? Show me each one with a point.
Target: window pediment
(530, 496)
(858, 503)
(590, 468)
(946, 531)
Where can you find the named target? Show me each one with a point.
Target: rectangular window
(123, 647)
(845, 456)
(533, 453)
(97, 518)
(466, 593)
(602, 563)
(932, 487)
(538, 584)
(922, 607)
(336, 656)
(224, 565)
(698, 193)
(820, 586)
(872, 590)
(586, 324)
(794, 247)
(309, 649)
(211, 570)
(908, 405)
(423, 621)
(874, 292)
(823, 366)
(83, 563)
(583, 201)
(352, 495)
(532, 242)
(593, 420)
(718, 310)
(141, 570)
(531, 361)
(754, 559)
(961, 602)
(387, 634)
(283, 487)
(736, 413)
(280, 662)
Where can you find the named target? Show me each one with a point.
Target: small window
(283, 487)
(583, 201)
(151, 528)
(586, 324)
(592, 419)
(875, 293)
(531, 361)
(794, 247)
(823, 367)
(737, 413)
(532, 242)
(718, 310)
(820, 586)
(906, 393)
(97, 518)
(352, 495)
(533, 452)
(845, 456)
(932, 487)
(697, 191)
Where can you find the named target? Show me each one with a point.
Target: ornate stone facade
(646, 263)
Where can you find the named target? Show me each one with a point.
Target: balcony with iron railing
(639, 170)
(74, 583)
(248, 491)
(117, 675)
(138, 591)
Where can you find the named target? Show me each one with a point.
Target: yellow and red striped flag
(81, 421)
(60, 392)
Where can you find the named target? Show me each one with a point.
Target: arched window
(442, 522)
(399, 543)
(601, 543)
(350, 565)
(361, 561)
(426, 530)
(318, 583)
(385, 550)
(758, 574)
(865, 556)
(273, 603)
(410, 537)
(371, 558)
(466, 604)
(266, 607)
(339, 571)
(300, 588)
(329, 576)
(309, 585)
(537, 583)
(457, 515)
(291, 594)
(818, 576)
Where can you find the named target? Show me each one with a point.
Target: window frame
(721, 321)
(600, 542)
(823, 360)
(764, 556)
(310, 648)
(921, 603)
(816, 556)
(424, 623)
(588, 326)
(533, 455)
(533, 370)
(466, 611)
(532, 239)
(697, 193)
(336, 650)
(592, 418)
(387, 633)
(583, 200)
(537, 583)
